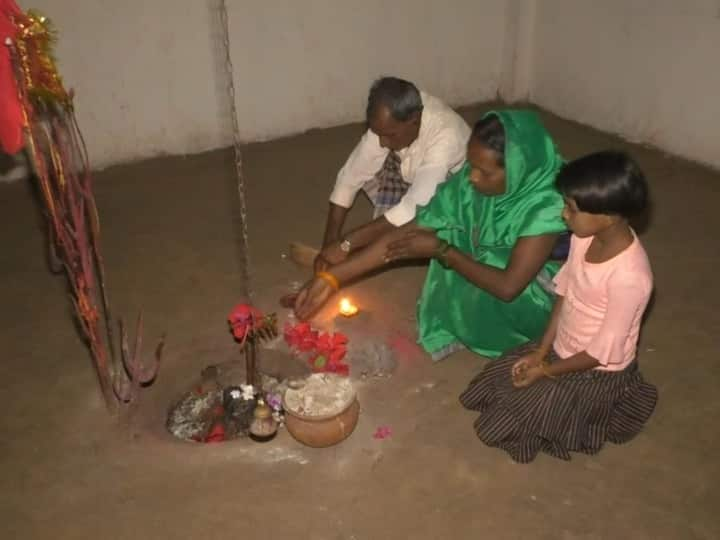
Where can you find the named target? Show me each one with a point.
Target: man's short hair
(402, 98)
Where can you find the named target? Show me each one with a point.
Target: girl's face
(584, 224)
(486, 175)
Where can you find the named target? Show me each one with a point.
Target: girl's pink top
(604, 304)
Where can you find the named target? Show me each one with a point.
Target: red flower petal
(302, 328)
(342, 369)
(306, 345)
(240, 312)
(239, 331)
(217, 433)
(336, 355)
(339, 338)
(244, 313)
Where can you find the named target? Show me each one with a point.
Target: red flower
(328, 349)
(340, 369)
(333, 347)
(244, 318)
(217, 433)
(301, 337)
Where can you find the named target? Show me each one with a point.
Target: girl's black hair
(607, 182)
(490, 132)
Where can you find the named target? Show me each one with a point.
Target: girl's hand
(415, 244)
(526, 361)
(312, 297)
(526, 375)
(527, 369)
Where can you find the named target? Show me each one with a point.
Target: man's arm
(317, 291)
(370, 258)
(362, 164)
(334, 224)
(331, 252)
(367, 233)
(432, 172)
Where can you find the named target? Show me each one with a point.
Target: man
(413, 142)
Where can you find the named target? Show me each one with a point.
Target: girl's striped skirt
(576, 412)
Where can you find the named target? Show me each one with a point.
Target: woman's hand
(527, 370)
(415, 244)
(312, 297)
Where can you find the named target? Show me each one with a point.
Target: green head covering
(531, 158)
(451, 309)
(530, 205)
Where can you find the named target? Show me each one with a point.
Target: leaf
(320, 362)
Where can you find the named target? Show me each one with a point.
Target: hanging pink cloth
(11, 117)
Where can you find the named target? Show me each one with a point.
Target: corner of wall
(517, 54)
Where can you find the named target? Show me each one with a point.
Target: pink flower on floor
(382, 432)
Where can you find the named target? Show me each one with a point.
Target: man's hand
(313, 296)
(320, 264)
(330, 255)
(415, 244)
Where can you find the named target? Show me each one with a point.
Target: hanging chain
(229, 72)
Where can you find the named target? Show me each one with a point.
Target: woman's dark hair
(402, 98)
(490, 132)
(605, 183)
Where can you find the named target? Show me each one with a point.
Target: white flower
(248, 392)
(198, 407)
(235, 394)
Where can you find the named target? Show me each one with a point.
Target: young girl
(580, 386)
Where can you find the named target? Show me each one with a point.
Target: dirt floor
(171, 239)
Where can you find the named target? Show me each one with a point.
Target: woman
(490, 229)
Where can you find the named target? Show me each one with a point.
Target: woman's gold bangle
(330, 279)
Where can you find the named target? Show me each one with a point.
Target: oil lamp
(347, 308)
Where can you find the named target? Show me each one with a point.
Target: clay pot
(322, 431)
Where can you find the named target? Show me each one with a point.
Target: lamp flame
(347, 308)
